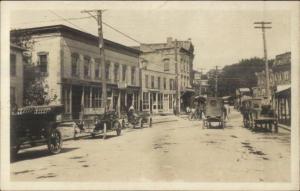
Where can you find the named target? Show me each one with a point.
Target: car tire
(54, 141)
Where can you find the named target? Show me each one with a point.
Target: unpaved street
(175, 151)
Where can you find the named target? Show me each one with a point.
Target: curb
(284, 127)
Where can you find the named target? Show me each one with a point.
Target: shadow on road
(101, 137)
(34, 154)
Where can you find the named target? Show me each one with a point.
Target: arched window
(166, 62)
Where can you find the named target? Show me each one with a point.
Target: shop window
(75, 64)
(43, 62)
(145, 100)
(96, 98)
(97, 68)
(160, 101)
(66, 99)
(87, 97)
(13, 65)
(170, 101)
(87, 67)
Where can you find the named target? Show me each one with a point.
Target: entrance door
(76, 101)
(129, 100)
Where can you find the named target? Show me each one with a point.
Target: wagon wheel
(54, 141)
(150, 122)
(104, 131)
(118, 127)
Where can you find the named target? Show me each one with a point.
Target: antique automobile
(139, 119)
(107, 122)
(214, 113)
(36, 125)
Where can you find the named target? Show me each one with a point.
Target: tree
(239, 75)
(35, 87)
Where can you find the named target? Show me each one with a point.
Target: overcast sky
(222, 33)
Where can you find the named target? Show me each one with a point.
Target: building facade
(280, 87)
(70, 62)
(200, 83)
(166, 71)
(16, 75)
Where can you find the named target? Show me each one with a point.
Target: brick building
(158, 73)
(70, 62)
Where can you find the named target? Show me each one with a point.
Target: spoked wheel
(118, 127)
(54, 141)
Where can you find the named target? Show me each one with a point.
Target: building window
(166, 64)
(97, 68)
(171, 84)
(145, 100)
(165, 83)
(152, 82)
(87, 97)
(170, 101)
(146, 81)
(75, 64)
(43, 62)
(87, 67)
(158, 82)
(116, 72)
(13, 65)
(107, 69)
(124, 70)
(96, 98)
(160, 101)
(133, 75)
(66, 99)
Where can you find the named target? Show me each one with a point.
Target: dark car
(139, 119)
(106, 122)
(36, 125)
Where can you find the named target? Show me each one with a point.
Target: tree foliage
(239, 75)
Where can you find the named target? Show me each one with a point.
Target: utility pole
(177, 81)
(216, 85)
(101, 51)
(265, 25)
(200, 80)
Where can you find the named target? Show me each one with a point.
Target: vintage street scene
(150, 95)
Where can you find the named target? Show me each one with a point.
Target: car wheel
(54, 141)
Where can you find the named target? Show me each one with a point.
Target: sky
(222, 33)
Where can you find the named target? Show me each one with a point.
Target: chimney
(169, 41)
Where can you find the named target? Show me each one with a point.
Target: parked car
(214, 111)
(36, 125)
(107, 122)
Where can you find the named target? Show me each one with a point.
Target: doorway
(76, 101)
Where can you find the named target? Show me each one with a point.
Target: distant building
(200, 83)
(159, 75)
(16, 75)
(280, 86)
(70, 63)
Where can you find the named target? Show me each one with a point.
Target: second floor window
(166, 64)
(133, 75)
(152, 82)
(75, 64)
(107, 69)
(124, 70)
(116, 72)
(158, 82)
(43, 62)
(146, 81)
(13, 65)
(97, 68)
(87, 66)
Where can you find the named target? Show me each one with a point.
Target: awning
(281, 88)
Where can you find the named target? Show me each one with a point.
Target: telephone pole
(200, 80)
(265, 25)
(98, 18)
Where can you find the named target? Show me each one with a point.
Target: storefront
(283, 104)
